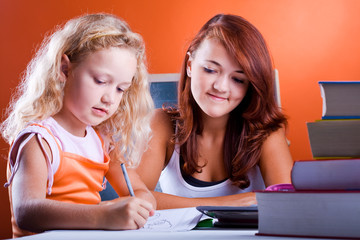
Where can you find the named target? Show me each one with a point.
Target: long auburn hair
(251, 122)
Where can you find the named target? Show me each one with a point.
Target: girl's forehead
(206, 45)
(209, 46)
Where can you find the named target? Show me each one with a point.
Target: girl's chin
(216, 114)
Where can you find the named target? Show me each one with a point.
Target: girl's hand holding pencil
(126, 213)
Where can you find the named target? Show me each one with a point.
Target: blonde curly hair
(40, 93)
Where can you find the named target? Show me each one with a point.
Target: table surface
(203, 234)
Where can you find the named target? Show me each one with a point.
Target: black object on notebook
(232, 217)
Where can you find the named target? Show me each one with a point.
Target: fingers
(152, 213)
(144, 211)
(146, 205)
(130, 213)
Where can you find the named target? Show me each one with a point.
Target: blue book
(341, 99)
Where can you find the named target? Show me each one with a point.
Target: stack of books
(337, 134)
(322, 201)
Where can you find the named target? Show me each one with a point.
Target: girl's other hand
(167, 201)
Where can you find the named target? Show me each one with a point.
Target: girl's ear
(65, 67)
(188, 65)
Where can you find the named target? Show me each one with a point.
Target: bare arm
(33, 212)
(275, 161)
(154, 160)
(166, 201)
(159, 150)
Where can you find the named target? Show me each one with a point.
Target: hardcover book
(334, 138)
(339, 174)
(341, 99)
(326, 214)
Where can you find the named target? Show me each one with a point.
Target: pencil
(127, 180)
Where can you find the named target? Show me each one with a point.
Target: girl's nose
(108, 97)
(221, 84)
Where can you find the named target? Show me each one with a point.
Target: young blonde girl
(83, 100)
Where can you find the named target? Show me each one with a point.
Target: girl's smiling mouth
(217, 98)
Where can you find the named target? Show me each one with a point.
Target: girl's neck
(70, 125)
(214, 126)
(211, 149)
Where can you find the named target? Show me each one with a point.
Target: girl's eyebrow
(125, 84)
(218, 64)
(214, 62)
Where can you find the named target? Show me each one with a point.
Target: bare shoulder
(276, 137)
(159, 151)
(276, 161)
(34, 147)
(161, 124)
(161, 116)
(31, 177)
(276, 143)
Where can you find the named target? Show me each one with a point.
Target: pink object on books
(281, 187)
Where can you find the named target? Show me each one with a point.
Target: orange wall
(310, 40)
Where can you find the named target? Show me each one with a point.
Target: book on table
(328, 214)
(322, 201)
(324, 197)
(334, 138)
(341, 99)
(327, 174)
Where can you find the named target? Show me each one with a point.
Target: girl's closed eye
(123, 87)
(209, 70)
(238, 80)
(98, 81)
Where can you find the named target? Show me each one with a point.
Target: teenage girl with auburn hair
(226, 138)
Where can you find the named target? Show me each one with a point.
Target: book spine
(340, 117)
(338, 82)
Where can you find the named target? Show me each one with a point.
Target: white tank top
(89, 146)
(172, 182)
